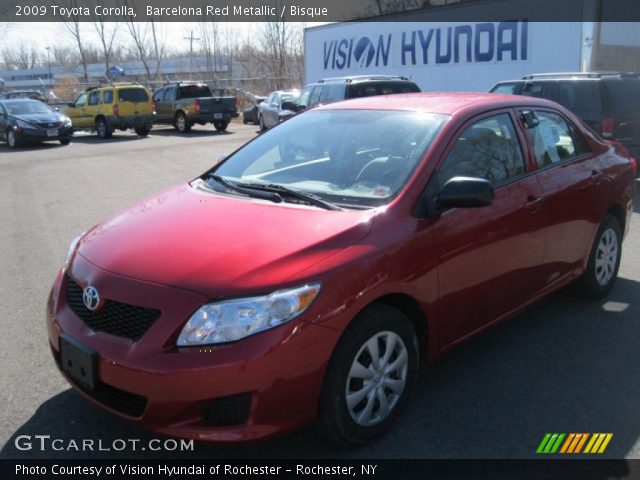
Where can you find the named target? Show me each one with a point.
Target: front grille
(115, 318)
(121, 401)
(49, 124)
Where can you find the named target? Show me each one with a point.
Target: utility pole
(49, 63)
(191, 38)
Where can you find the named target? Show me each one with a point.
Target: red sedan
(300, 280)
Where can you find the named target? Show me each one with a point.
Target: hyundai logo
(91, 298)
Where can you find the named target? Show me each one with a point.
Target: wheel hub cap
(606, 256)
(377, 378)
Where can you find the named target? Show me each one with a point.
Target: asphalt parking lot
(565, 365)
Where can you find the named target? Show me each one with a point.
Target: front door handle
(533, 203)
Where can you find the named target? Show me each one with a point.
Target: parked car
(184, 104)
(31, 94)
(334, 89)
(274, 109)
(118, 106)
(300, 280)
(250, 115)
(608, 102)
(31, 121)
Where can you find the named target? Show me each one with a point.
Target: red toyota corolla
(301, 279)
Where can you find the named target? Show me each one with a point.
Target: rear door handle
(533, 203)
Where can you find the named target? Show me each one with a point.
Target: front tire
(65, 141)
(370, 376)
(261, 124)
(604, 260)
(12, 139)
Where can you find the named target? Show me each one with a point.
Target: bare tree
(107, 34)
(72, 25)
(23, 56)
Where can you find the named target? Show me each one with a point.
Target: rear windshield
(381, 88)
(132, 95)
(579, 96)
(194, 91)
(625, 94)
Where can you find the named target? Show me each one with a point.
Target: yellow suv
(110, 107)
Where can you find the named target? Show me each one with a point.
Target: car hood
(219, 245)
(40, 117)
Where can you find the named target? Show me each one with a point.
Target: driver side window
(487, 149)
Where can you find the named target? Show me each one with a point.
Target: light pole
(49, 63)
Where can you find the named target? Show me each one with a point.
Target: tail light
(607, 127)
(237, 103)
(116, 110)
(196, 105)
(153, 106)
(634, 166)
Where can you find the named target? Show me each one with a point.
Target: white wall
(539, 47)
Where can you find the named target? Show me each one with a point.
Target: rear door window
(168, 94)
(552, 140)
(134, 95)
(624, 94)
(107, 96)
(579, 96)
(488, 149)
(333, 93)
(194, 91)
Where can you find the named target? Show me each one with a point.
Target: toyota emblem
(91, 298)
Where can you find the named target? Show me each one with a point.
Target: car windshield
(352, 158)
(26, 108)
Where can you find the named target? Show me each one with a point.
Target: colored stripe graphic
(574, 443)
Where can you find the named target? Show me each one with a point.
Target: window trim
(529, 140)
(475, 119)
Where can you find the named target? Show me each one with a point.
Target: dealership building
(439, 52)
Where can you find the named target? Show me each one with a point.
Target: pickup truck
(184, 104)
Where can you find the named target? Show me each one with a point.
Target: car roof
(447, 103)
(20, 100)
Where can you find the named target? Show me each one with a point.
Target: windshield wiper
(251, 192)
(282, 190)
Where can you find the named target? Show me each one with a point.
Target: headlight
(23, 124)
(71, 251)
(231, 320)
(67, 122)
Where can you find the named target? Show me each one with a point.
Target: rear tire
(142, 131)
(182, 123)
(604, 260)
(102, 129)
(221, 126)
(370, 376)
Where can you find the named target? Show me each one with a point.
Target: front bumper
(280, 370)
(41, 134)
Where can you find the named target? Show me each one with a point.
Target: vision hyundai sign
(443, 56)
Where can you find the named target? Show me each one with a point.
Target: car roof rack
(361, 78)
(184, 82)
(597, 74)
(111, 84)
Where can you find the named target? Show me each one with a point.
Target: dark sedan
(250, 114)
(31, 121)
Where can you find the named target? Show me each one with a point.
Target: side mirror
(289, 106)
(72, 105)
(466, 192)
(57, 109)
